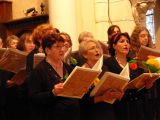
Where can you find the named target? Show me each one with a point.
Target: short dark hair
(115, 39)
(51, 39)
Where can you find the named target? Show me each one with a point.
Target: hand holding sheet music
(112, 81)
(20, 77)
(143, 80)
(110, 96)
(79, 82)
(14, 60)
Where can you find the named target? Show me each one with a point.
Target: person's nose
(125, 43)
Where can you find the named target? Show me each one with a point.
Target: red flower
(133, 66)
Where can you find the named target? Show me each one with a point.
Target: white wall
(62, 15)
(93, 16)
(85, 16)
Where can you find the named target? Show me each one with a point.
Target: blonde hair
(84, 34)
(10, 38)
(83, 47)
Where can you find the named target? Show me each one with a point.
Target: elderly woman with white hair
(76, 59)
(94, 108)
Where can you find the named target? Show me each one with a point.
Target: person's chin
(97, 58)
(125, 52)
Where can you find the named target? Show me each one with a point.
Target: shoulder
(131, 54)
(42, 67)
(75, 54)
(112, 65)
(69, 68)
(109, 60)
(104, 69)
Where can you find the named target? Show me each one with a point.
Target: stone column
(62, 15)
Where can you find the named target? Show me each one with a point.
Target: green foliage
(133, 61)
(65, 76)
(151, 68)
(73, 61)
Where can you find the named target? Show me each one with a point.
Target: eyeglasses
(59, 47)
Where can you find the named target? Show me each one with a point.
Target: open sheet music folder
(144, 52)
(116, 81)
(13, 60)
(79, 82)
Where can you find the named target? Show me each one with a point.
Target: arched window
(150, 24)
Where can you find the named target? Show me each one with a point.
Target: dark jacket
(131, 106)
(43, 104)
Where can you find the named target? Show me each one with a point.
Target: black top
(6, 95)
(131, 105)
(96, 111)
(30, 60)
(4, 76)
(44, 105)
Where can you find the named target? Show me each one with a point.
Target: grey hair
(84, 34)
(83, 47)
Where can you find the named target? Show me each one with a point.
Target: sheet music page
(79, 82)
(13, 60)
(109, 81)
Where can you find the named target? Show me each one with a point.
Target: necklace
(88, 65)
(120, 63)
(58, 67)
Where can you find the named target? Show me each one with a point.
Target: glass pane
(150, 24)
